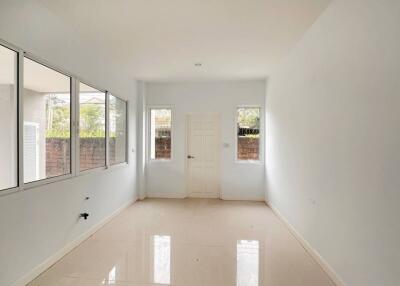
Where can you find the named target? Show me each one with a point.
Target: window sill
(42, 182)
(117, 166)
(91, 171)
(9, 191)
(156, 161)
(36, 184)
(252, 162)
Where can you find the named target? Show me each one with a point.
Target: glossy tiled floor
(189, 242)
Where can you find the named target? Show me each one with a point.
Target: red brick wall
(57, 157)
(112, 150)
(92, 155)
(248, 148)
(163, 148)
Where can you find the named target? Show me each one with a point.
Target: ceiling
(161, 40)
(37, 77)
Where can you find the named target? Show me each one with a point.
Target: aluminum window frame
(18, 74)
(148, 134)
(45, 181)
(126, 160)
(260, 160)
(74, 124)
(78, 138)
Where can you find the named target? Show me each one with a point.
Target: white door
(203, 156)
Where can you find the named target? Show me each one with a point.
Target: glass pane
(92, 127)
(160, 135)
(47, 118)
(117, 130)
(8, 119)
(248, 141)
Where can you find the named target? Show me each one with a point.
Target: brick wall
(113, 151)
(92, 154)
(57, 157)
(163, 148)
(248, 148)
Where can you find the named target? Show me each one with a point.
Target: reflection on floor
(189, 242)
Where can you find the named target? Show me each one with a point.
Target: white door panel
(203, 156)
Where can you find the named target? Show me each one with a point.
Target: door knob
(190, 157)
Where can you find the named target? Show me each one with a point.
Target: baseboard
(184, 196)
(35, 272)
(310, 250)
(165, 195)
(234, 198)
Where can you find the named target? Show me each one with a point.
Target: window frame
(74, 124)
(260, 160)
(45, 181)
(18, 74)
(78, 138)
(148, 134)
(126, 132)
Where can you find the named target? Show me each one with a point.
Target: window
(47, 122)
(40, 139)
(92, 128)
(8, 119)
(248, 133)
(160, 134)
(117, 130)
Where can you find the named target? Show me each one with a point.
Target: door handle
(190, 157)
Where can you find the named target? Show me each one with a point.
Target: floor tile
(189, 242)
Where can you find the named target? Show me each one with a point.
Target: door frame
(218, 139)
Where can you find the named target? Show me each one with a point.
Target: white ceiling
(36, 76)
(160, 40)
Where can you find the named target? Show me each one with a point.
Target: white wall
(36, 223)
(333, 117)
(238, 180)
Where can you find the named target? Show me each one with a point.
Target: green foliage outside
(91, 126)
(58, 118)
(249, 117)
(92, 121)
